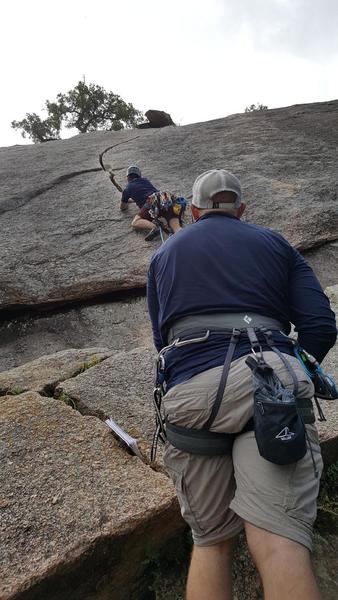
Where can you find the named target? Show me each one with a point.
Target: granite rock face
(63, 233)
(43, 374)
(324, 260)
(80, 517)
(328, 430)
(73, 241)
(120, 387)
(119, 324)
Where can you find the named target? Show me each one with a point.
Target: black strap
(200, 441)
(236, 333)
(258, 365)
(270, 342)
(321, 416)
(253, 339)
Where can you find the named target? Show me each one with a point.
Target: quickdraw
(325, 386)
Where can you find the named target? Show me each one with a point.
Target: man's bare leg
(175, 225)
(210, 572)
(284, 566)
(141, 224)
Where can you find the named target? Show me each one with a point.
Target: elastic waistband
(221, 322)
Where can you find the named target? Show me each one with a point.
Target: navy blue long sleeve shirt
(221, 264)
(138, 190)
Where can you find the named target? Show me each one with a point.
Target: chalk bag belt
(203, 441)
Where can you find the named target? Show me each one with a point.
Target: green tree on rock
(86, 108)
(38, 130)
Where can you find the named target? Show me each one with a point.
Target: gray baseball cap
(134, 170)
(212, 182)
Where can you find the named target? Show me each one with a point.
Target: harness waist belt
(199, 441)
(212, 443)
(221, 322)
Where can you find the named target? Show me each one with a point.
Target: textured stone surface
(117, 325)
(121, 323)
(80, 517)
(63, 233)
(324, 262)
(121, 387)
(43, 374)
(325, 563)
(332, 292)
(74, 241)
(328, 430)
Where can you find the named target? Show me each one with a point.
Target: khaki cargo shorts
(218, 493)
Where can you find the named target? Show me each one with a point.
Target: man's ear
(241, 210)
(195, 212)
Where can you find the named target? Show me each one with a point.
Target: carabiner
(193, 340)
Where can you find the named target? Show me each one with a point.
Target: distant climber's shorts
(216, 493)
(143, 213)
(163, 205)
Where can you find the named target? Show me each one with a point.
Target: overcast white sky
(196, 59)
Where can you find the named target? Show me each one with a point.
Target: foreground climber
(152, 204)
(222, 273)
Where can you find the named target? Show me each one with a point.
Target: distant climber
(153, 205)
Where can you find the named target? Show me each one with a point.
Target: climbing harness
(166, 204)
(279, 416)
(196, 441)
(163, 206)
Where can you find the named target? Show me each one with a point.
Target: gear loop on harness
(159, 389)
